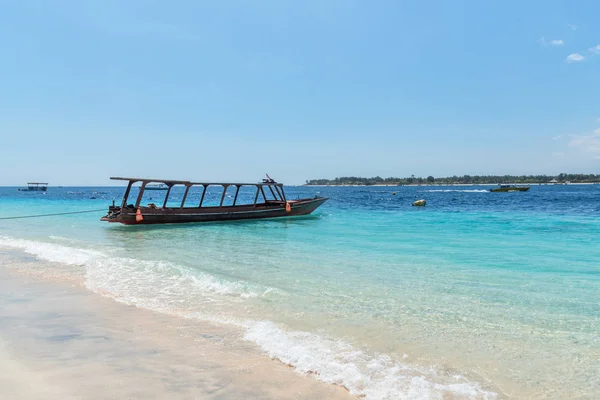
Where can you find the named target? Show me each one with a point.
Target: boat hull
(513, 189)
(129, 216)
(40, 189)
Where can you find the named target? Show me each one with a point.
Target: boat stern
(112, 215)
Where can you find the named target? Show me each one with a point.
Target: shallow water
(60, 341)
(477, 293)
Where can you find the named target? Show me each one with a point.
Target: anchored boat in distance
(269, 202)
(510, 188)
(35, 187)
(157, 186)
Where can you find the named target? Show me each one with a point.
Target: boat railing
(37, 186)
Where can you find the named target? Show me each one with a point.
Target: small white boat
(35, 187)
(157, 186)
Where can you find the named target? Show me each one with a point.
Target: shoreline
(459, 184)
(311, 364)
(59, 340)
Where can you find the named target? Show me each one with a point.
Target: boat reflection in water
(269, 202)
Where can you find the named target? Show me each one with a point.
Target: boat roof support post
(283, 193)
(237, 191)
(256, 197)
(223, 196)
(187, 189)
(280, 193)
(170, 185)
(272, 192)
(203, 193)
(263, 193)
(141, 194)
(126, 196)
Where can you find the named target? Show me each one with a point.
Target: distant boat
(35, 187)
(510, 188)
(157, 186)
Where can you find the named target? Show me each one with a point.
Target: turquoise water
(477, 295)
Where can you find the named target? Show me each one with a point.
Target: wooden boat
(35, 187)
(510, 188)
(269, 202)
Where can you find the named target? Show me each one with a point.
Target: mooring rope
(51, 215)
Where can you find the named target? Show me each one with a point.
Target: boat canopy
(168, 182)
(275, 188)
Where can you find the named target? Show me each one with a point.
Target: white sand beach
(58, 340)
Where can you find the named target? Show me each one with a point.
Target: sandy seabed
(60, 341)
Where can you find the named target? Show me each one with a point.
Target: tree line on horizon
(465, 179)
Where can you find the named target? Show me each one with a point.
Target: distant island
(458, 180)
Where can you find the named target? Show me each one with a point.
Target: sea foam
(163, 286)
(369, 376)
(50, 251)
(120, 275)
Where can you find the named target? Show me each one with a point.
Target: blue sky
(229, 90)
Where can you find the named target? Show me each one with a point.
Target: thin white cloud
(588, 143)
(574, 57)
(572, 27)
(554, 42)
(557, 137)
(595, 49)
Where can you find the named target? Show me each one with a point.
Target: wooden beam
(203, 193)
(126, 196)
(140, 195)
(283, 194)
(187, 189)
(263, 193)
(279, 193)
(167, 196)
(224, 193)
(272, 192)
(237, 190)
(256, 197)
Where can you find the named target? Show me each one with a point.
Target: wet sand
(58, 340)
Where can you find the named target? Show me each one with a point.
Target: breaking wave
(364, 375)
(121, 275)
(166, 287)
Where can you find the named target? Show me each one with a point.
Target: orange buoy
(288, 207)
(138, 215)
